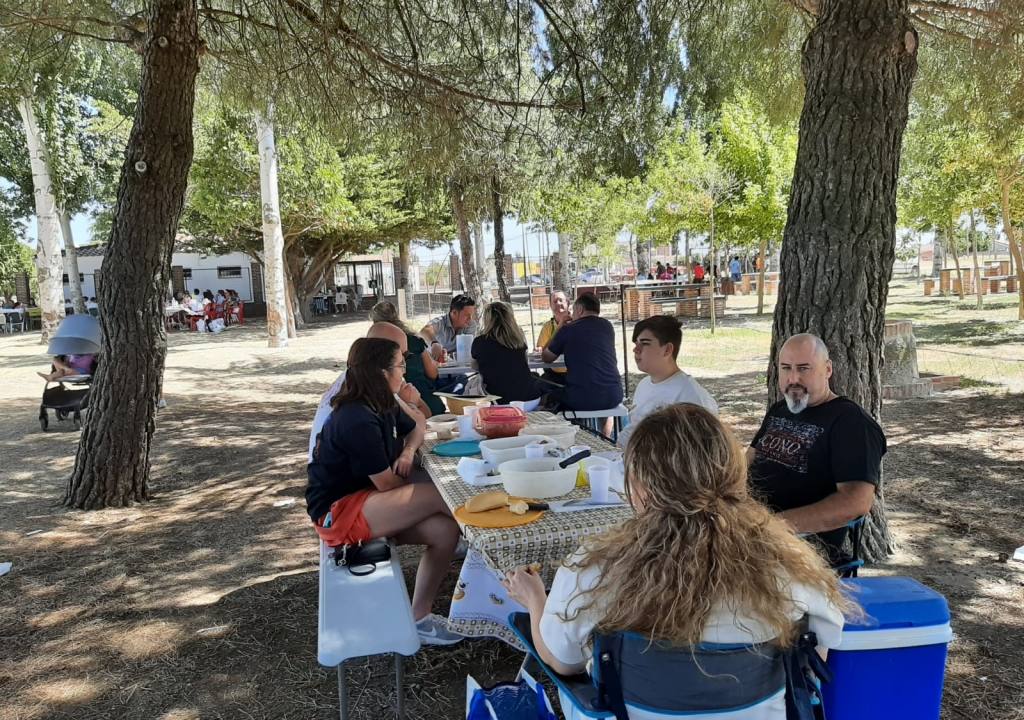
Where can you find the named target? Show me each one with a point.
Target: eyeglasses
(397, 365)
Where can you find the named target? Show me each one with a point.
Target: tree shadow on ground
(202, 603)
(973, 333)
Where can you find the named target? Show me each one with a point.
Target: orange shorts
(348, 525)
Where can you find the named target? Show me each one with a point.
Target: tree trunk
(762, 253)
(839, 243)
(296, 319)
(403, 277)
(955, 250)
(470, 278)
(561, 278)
(1005, 185)
(273, 239)
(499, 241)
(49, 265)
(938, 255)
(643, 263)
(74, 277)
(295, 285)
(977, 269)
(686, 247)
(714, 270)
(112, 464)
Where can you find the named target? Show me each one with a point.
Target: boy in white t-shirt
(656, 343)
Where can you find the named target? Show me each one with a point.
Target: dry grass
(202, 603)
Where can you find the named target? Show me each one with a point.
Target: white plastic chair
(364, 615)
(590, 418)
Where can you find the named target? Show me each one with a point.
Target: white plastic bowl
(500, 450)
(537, 478)
(562, 434)
(541, 478)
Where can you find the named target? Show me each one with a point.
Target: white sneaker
(460, 550)
(433, 630)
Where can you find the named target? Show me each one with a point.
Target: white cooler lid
(895, 637)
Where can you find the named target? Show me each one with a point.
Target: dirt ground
(202, 603)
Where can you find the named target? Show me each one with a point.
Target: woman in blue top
(361, 481)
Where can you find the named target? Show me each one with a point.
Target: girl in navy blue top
(361, 481)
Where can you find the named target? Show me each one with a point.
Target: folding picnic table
(480, 606)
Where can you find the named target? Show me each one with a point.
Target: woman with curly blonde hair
(700, 561)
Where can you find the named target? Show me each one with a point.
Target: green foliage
(335, 199)
(15, 256)
(81, 97)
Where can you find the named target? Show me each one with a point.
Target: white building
(189, 271)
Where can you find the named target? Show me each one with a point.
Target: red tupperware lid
(500, 413)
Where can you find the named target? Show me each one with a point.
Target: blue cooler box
(890, 663)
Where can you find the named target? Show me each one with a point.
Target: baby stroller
(77, 335)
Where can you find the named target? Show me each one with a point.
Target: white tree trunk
(73, 276)
(563, 281)
(49, 265)
(714, 269)
(273, 239)
(483, 268)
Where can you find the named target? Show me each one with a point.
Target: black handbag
(362, 558)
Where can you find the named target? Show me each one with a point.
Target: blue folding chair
(631, 671)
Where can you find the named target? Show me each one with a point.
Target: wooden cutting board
(498, 518)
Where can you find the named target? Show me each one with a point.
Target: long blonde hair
(500, 325)
(698, 540)
(387, 312)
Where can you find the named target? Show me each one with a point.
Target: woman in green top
(420, 368)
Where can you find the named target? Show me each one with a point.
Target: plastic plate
(458, 448)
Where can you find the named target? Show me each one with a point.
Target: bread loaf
(519, 507)
(489, 500)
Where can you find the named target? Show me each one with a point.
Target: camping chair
(630, 670)
(847, 566)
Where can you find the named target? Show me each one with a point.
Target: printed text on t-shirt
(787, 442)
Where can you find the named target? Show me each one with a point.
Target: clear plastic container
(500, 421)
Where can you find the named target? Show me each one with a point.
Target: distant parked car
(535, 280)
(591, 276)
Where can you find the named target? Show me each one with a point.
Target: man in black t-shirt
(816, 459)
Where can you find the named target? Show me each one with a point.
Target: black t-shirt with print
(799, 459)
(354, 444)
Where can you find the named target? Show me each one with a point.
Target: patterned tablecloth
(479, 604)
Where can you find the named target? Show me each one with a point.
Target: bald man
(818, 456)
(408, 397)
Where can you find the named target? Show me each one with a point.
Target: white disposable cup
(535, 450)
(600, 479)
(466, 429)
(463, 348)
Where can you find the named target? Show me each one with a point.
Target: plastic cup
(466, 429)
(464, 348)
(600, 479)
(535, 450)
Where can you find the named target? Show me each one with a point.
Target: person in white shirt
(700, 561)
(656, 344)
